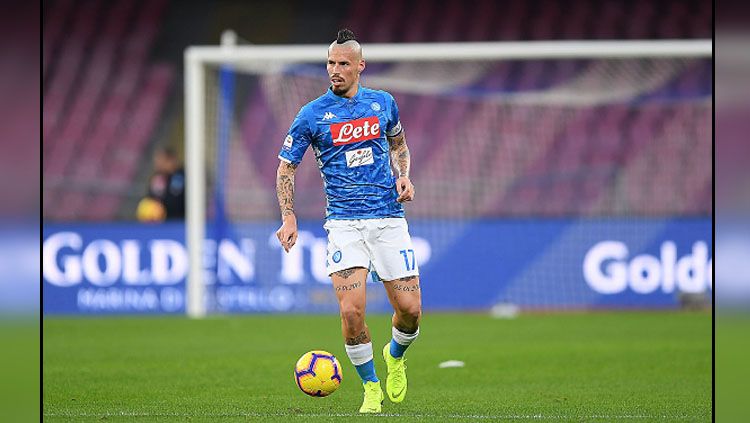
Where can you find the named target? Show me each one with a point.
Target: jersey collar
(341, 100)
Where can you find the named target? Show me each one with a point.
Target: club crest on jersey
(359, 157)
(355, 130)
(375, 106)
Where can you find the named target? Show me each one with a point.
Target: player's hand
(287, 233)
(405, 189)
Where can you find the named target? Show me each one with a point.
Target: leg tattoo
(349, 287)
(346, 272)
(362, 338)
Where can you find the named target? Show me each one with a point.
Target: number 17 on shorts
(409, 261)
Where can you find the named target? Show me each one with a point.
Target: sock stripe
(360, 353)
(401, 342)
(402, 338)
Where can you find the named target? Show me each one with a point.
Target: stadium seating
(104, 98)
(485, 20)
(101, 100)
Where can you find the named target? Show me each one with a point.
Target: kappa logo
(328, 115)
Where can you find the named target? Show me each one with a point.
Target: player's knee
(411, 312)
(352, 315)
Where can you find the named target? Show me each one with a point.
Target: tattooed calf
(362, 338)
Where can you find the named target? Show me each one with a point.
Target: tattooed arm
(287, 233)
(401, 162)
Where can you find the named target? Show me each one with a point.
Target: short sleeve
(297, 140)
(394, 121)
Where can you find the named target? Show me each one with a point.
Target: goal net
(526, 158)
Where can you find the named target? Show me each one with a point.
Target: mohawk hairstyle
(345, 35)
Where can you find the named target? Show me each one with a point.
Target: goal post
(198, 59)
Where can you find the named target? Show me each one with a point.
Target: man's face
(162, 162)
(344, 67)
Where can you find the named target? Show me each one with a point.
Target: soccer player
(358, 141)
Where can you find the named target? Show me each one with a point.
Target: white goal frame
(197, 57)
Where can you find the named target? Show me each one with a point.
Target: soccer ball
(318, 373)
(150, 210)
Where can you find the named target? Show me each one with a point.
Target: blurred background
(20, 176)
(732, 208)
(113, 93)
(566, 184)
(587, 180)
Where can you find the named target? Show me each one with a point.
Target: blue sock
(367, 371)
(397, 350)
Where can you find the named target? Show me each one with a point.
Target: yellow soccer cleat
(395, 383)
(373, 402)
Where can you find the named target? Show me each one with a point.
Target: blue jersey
(348, 137)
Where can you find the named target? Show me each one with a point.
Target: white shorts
(381, 245)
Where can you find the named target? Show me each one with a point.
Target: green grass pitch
(604, 366)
